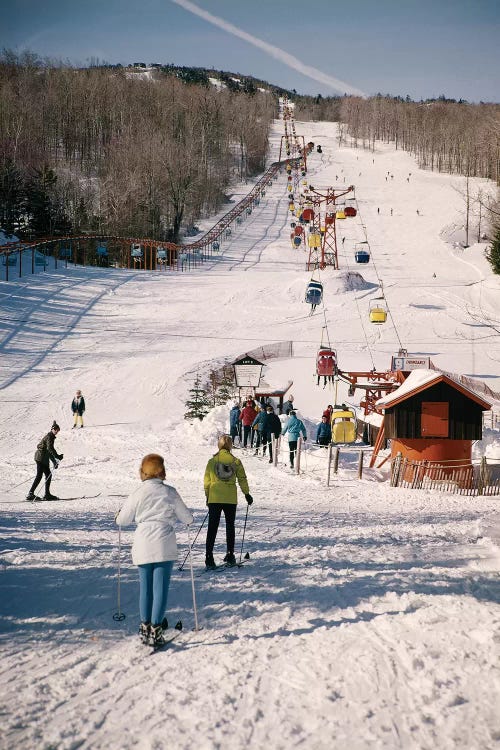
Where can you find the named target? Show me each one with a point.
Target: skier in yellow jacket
(221, 474)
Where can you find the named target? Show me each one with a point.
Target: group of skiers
(46, 452)
(260, 420)
(155, 506)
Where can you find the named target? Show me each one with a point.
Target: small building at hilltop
(432, 417)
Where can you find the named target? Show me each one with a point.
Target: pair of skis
(38, 499)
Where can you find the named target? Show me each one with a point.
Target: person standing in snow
(78, 407)
(294, 427)
(328, 412)
(154, 507)
(258, 425)
(234, 422)
(248, 414)
(46, 452)
(288, 406)
(221, 474)
(324, 432)
(272, 426)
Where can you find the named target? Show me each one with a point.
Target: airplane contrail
(271, 49)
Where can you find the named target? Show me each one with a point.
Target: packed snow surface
(366, 617)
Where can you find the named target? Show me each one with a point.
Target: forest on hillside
(93, 150)
(98, 150)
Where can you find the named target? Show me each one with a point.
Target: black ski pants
(292, 446)
(247, 433)
(214, 514)
(41, 469)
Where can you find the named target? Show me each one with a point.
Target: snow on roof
(418, 380)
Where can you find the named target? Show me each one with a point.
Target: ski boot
(49, 496)
(144, 629)
(30, 497)
(230, 559)
(210, 562)
(156, 638)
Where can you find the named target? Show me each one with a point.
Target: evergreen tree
(48, 217)
(226, 385)
(493, 253)
(12, 197)
(198, 404)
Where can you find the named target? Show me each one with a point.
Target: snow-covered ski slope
(366, 617)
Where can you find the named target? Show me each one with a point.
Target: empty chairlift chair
(9, 259)
(378, 310)
(361, 253)
(343, 422)
(102, 255)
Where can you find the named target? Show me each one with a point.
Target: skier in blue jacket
(258, 425)
(324, 432)
(234, 422)
(294, 427)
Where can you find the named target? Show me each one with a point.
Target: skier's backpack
(224, 472)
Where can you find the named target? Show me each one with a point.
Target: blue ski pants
(154, 581)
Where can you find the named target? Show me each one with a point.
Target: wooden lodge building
(433, 418)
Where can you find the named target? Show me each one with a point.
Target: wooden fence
(455, 477)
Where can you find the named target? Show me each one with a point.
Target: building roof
(419, 380)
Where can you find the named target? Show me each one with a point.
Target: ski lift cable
(381, 283)
(361, 318)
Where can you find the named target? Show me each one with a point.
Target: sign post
(247, 374)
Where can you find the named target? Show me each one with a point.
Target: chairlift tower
(325, 204)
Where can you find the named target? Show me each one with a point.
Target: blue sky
(423, 48)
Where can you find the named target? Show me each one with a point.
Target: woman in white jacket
(155, 507)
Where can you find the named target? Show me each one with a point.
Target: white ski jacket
(155, 507)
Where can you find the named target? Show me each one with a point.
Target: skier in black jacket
(45, 451)
(78, 407)
(272, 426)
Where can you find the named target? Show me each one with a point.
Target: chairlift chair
(326, 362)
(9, 259)
(378, 310)
(343, 422)
(314, 293)
(40, 259)
(361, 256)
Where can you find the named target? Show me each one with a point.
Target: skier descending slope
(222, 471)
(155, 507)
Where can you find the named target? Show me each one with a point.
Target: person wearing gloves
(324, 432)
(221, 474)
(78, 407)
(294, 427)
(154, 507)
(44, 453)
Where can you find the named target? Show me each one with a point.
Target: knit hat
(55, 426)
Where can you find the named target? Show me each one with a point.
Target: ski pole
(119, 615)
(243, 537)
(194, 542)
(192, 581)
